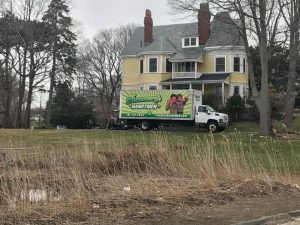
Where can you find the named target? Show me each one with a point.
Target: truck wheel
(212, 126)
(145, 126)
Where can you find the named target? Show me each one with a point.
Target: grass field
(52, 177)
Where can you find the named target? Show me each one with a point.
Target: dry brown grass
(113, 180)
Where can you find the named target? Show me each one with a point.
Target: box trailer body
(157, 104)
(153, 108)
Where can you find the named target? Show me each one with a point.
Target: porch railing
(180, 75)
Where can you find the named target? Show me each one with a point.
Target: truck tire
(212, 126)
(145, 126)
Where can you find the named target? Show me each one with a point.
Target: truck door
(201, 114)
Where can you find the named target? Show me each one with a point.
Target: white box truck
(149, 109)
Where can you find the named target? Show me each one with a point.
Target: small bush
(234, 106)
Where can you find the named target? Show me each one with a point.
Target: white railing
(180, 75)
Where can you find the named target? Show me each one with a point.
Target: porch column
(196, 68)
(203, 88)
(173, 70)
(223, 93)
(191, 86)
(171, 87)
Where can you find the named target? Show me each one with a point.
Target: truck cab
(208, 117)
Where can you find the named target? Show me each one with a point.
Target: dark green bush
(235, 104)
(213, 100)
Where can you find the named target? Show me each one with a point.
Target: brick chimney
(203, 23)
(148, 27)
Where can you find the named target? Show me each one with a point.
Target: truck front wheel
(212, 126)
(145, 126)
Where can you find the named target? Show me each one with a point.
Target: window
(236, 90)
(168, 66)
(244, 65)
(186, 42)
(236, 64)
(187, 67)
(201, 109)
(152, 87)
(193, 41)
(220, 64)
(153, 65)
(190, 42)
(141, 66)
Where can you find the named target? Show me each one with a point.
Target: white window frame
(240, 69)
(190, 41)
(165, 65)
(152, 85)
(241, 89)
(215, 63)
(156, 64)
(143, 66)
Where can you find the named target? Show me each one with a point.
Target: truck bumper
(223, 124)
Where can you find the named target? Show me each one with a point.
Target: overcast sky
(95, 15)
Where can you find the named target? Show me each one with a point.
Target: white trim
(143, 66)
(224, 47)
(152, 85)
(241, 89)
(195, 82)
(149, 64)
(190, 39)
(184, 60)
(155, 53)
(236, 56)
(128, 56)
(215, 63)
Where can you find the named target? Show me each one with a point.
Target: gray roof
(204, 77)
(168, 38)
(224, 32)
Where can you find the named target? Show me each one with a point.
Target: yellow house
(207, 56)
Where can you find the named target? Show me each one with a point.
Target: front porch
(207, 83)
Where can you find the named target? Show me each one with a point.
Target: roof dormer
(190, 42)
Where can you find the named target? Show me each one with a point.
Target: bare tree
(100, 65)
(291, 14)
(258, 21)
(29, 61)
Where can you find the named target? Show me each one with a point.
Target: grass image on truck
(153, 108)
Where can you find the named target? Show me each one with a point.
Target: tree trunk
(51, 90)
(290, 95)
(293, 56)
(264, 98)
(22, 83)
(7, 121)
(28, 103)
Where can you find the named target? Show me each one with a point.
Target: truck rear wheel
(145, 126)
(212, 126)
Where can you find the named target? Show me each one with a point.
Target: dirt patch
(243, 201)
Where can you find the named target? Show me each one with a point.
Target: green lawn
(243, 135)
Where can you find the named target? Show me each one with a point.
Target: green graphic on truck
(156, 104)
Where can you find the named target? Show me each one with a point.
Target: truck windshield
(210, 109)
